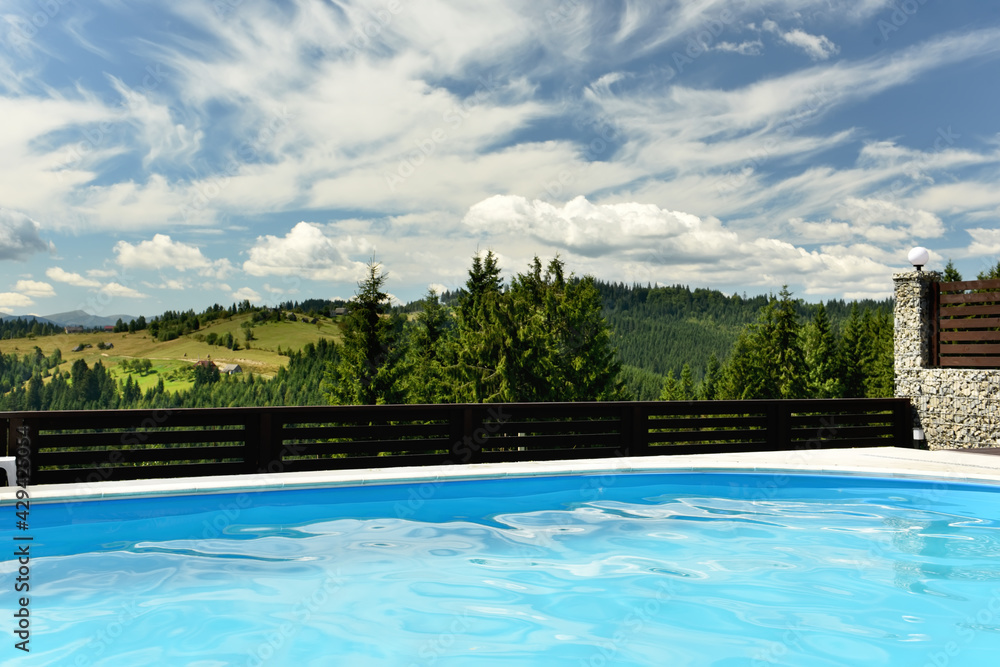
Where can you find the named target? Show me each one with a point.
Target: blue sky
(160, 156)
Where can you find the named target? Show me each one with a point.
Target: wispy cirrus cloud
(390, 130)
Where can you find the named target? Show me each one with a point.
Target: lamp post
(918, 257)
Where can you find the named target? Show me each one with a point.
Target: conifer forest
(543, 335)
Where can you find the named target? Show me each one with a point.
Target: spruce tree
(671, 388)
(483, 334)
(709, 389)
(687, 383)
(366, 373)
(853, 346)
(822, 357)
(992, 273)
(767, 359)
(430, 354)
(951, 274)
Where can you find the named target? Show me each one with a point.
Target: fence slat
(956, 320)
(69, 446)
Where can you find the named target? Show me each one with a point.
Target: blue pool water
(624, 569)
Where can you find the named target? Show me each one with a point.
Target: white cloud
(165, 140)
(817, 47)
(12, 300)
(119, 290)
(820, 232)
(248, 294)
(62, 276)
(591, 229)
(162, 253)
(19, 236)
(304, 251)
(34, 288)
(171, 284)
(644, 243)
(984, 242)
(749, 48)
(884, 221)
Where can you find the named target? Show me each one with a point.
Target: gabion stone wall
(958, 408)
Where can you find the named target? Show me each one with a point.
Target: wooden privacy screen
(105, 445)
(967, 334)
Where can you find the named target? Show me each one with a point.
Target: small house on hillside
(207, 363)
(339, 311)
(78, 348)
(230, 369)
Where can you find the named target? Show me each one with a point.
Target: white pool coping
(944, 465)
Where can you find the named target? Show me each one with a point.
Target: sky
(169, 156)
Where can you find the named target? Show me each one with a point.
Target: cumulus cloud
(650, 244)
(248, 294)
(19, 236)
(888, 222)
(62, 276)
(304, 251)
(820, 232)
(163, 252)
(12, 300)
(984, 242)
(34, 288)
(749, 48)
(817, 47)
(119, 290)
(102, 273)
(595, 229)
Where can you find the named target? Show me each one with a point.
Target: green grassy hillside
(174, 360)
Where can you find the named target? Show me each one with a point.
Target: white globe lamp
(918, 257)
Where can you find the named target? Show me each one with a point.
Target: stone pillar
(912, 343)
(913, 319)
(958, 408)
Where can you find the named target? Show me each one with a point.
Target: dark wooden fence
(93, 446)
(967, 332)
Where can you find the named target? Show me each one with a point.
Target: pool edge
(945, 465)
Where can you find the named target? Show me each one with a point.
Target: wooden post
(934, 317)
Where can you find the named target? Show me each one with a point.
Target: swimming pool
(602, 569)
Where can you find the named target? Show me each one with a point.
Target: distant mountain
(28, 318)
(81, 318)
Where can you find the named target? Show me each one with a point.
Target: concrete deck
(946, 465)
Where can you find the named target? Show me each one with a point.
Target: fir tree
(951, 274)
(686, 384)
(429, 357)
(853, 354)
(709, 390)
(822, 357)
(369, 359)
(483, 333)
(671, 388)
